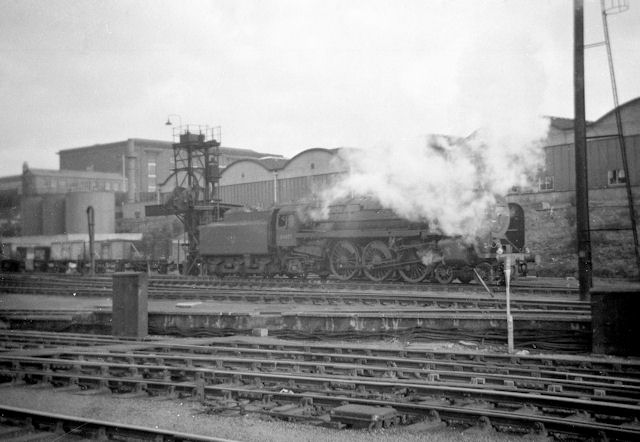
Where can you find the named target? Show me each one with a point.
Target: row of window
(70, 184)
(614, 177)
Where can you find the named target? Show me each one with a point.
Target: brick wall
(550, 220)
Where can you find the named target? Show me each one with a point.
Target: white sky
(281, 76)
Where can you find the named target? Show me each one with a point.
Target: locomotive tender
(358, 237)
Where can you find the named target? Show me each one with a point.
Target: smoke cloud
(455, 180)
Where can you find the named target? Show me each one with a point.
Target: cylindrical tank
(53, 216)
(103, 204)
(31, 213)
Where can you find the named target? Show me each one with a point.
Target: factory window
(107, 186)
(616, 176)
(313, 166)
(545, 183)
(151, 173)
(151, 169)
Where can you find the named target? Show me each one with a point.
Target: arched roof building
(263, 182)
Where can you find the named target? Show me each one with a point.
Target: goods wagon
(71, 253)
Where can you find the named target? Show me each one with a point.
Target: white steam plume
(455, 181)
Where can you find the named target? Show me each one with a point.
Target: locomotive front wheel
(444, 274)
(414, 272)
(344, 260)
(375, 254)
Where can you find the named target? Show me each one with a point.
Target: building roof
(562, 123)
(75, 174)
(161, 144)
(273, 163)
(156, 143)
(235, 151)
(11, 179)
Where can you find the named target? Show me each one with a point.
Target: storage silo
(103, 203)
(31, 214)
(53, 216)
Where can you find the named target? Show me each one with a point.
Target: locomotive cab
(287, 225)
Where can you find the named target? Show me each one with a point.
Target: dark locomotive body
(357, 238)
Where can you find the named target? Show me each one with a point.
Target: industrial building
(144, 164)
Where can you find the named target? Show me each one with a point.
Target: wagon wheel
(485, 271)
(415, 271)
(344, 259)
(375, 254)
(443, 273)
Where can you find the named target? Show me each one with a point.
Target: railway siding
(302, 309)
(548, 395)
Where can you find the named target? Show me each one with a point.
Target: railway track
(518, 287)
(549, 395)
(21, 424)
(465, 298)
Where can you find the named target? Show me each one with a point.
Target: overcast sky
(282, 76)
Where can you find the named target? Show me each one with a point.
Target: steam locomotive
(359, 238)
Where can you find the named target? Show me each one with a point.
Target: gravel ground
(190, 417)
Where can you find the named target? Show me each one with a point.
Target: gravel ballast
(189, 416)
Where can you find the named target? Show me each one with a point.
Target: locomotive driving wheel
(376, 253)
(443, 273)
(465, 275)
(485, 272)
(344, 259)
(415, 270)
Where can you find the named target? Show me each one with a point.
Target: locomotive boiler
(358, 238)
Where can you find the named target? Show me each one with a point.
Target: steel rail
(315, 296)
(46, 369)
(555, 414)
(544, 363)
(280, 284)
(580, 364)
(61, 425)
(567, 384)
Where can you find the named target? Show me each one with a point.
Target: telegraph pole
(580, 143)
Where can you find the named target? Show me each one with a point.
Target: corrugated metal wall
(603, 155)
(257, 195)
(290, 190)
